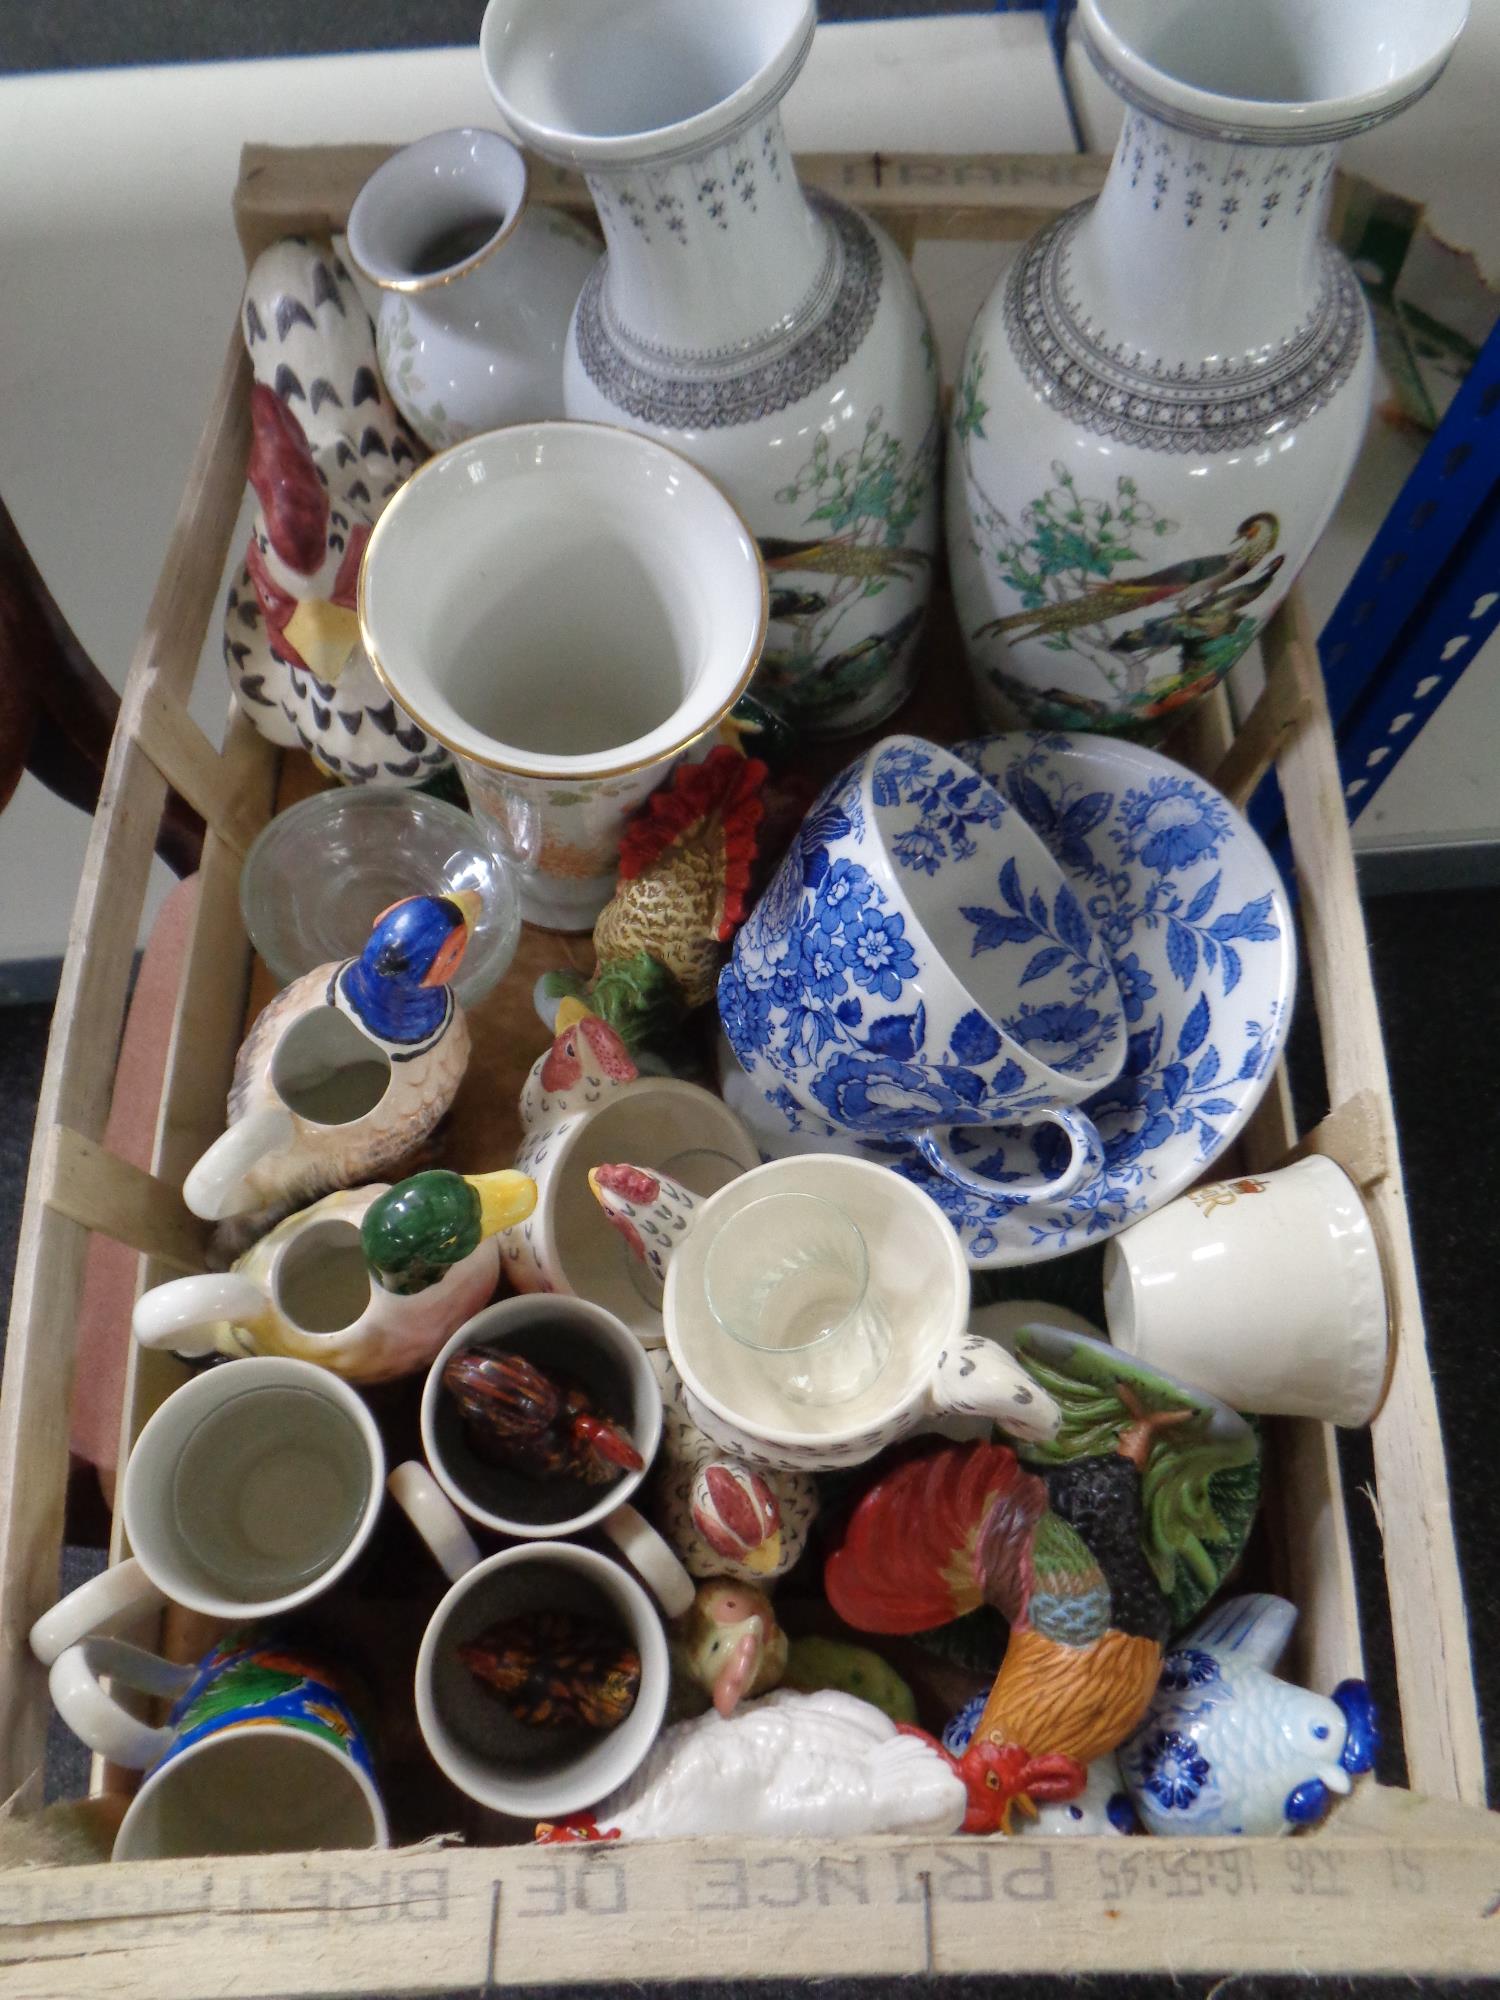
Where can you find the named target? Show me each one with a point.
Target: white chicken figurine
(327, 451)
(819, 1766)
(722, 1516)
(1226, 1747)
(346, 1070)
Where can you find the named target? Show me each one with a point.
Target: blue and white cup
(919, 967)
(262, 1752)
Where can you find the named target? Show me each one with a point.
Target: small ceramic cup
(260, 1754)
(570, 608)
(526, 1772)
(601, 1353)
(919, 967)
(1267, 1291)
(250, 1491)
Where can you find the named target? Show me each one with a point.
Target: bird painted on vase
(728, 1643)
(835, 555)
(1194, 579)
(537, 1421)
(1227, 1748)
(819, 1766)
(327, 451)
(556, 1669)
(1192, 630)
(684, 880)
(1065, 1555)
(345, 1071)
(722, 1516)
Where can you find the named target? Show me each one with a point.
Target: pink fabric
(110, 1269)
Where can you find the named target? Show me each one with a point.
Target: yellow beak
(764, 1559)
(505, 1199)
(570, 1012)
(324, 634)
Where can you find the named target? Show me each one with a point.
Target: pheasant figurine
(327, 451)
(1069, 1554)
(723, 1517)
(556, 1669)
(346, 1070)
(536, 1421)
(685, 866)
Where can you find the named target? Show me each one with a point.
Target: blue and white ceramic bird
(345, 1071)
(1226, 1747)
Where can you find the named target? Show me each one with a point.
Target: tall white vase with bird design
(773, 337)
(1163, 398)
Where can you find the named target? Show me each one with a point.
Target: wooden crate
(1396, 1881)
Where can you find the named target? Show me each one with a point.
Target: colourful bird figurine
(368, 1282)
(729, 1644)
(651, 1211)
(722, 1516)
(1068, 1554)
(788, 1766)
(683, 889)
(556, 1669)
(537, 1421)
(346, 1071)
(1226, 1747)
(327, 451)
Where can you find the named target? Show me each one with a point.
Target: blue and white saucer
(1196, 924)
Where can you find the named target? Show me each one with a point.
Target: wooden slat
(489, 1919)
(192, 766)
(98, 1189)
(77, 1081)
(1285, 703)
(992, 197)
(1354, 1134)
(1439, 1718)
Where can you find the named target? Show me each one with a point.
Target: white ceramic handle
(96, 1718)
(1086, 1157)
(435, 1518)
(652, 1560)
(976, 1377)
(216, 1187)
(114, 1598)
(183, 1316)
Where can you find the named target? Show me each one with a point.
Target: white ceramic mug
(508, 1765)
(1266, 1290)
(262, 1752)
(583, 1104)
(250, 1491)
(570, 608)
(596, 1350)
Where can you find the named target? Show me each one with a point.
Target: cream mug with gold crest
(1266, 1290)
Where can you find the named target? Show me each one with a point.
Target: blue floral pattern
(819, 983)
(1203, 954)
(1173, 1770)
(1190, 1667)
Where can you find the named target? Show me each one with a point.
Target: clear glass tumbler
(789, 1276)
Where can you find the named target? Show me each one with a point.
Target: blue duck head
(396, 985)
(1362, 1741)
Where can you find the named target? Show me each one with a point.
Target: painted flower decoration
(1174, 1770)
(845, 889)
(1190, 1668)
(1171, 824)
(878, 954)
(881, 1093)
(1068, 1035)
(1135, 983)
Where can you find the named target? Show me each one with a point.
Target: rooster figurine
(345, 1071)
(1070, 1555)
(685, 865)
(723, 1517)
(556, 1670)
(327, 451)
(537, 1421)
(791, 1766)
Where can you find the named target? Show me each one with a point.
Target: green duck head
(418, 1230)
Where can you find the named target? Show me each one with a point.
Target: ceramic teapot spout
(976, 1377)
(650, 1210)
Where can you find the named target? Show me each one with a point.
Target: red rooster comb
(1001, 1778)
(282, 470)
